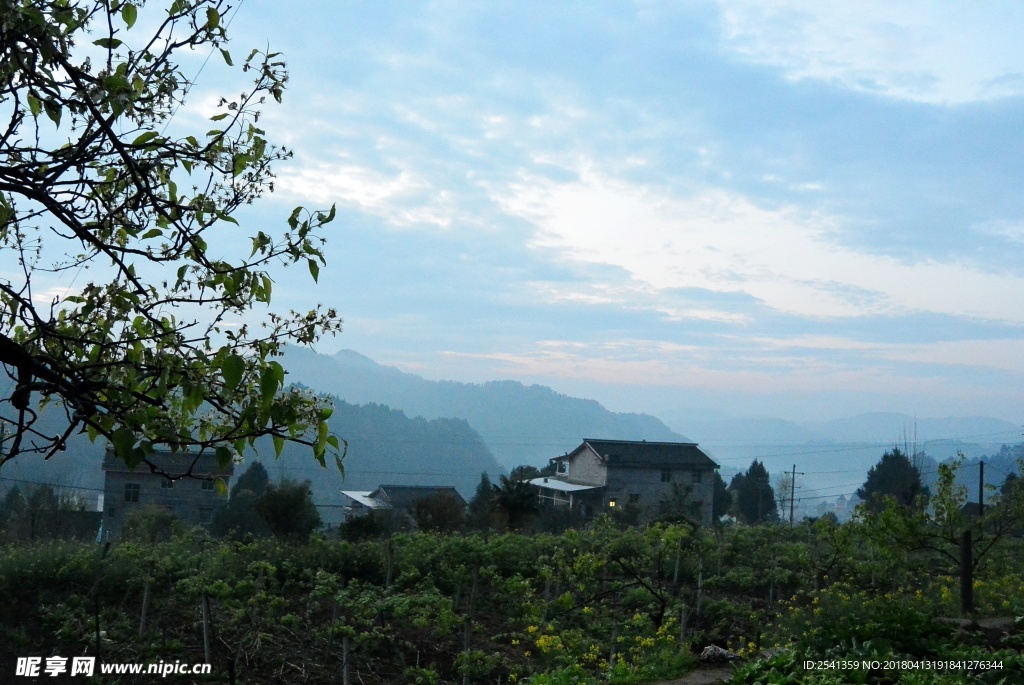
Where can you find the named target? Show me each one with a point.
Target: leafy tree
(102, 193)
(1010, 485)
(255, 479)
(151, 525)
(723, 498)
(481, 506)
(524, 472)
(288, 510)
(894, 476)
(753, 496)
(443, 513)
(239, 518)
(516, 500)
(679, 507)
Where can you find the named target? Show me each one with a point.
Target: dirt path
(710, 675)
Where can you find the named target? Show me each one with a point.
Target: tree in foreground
(102, 197)
(893, 476)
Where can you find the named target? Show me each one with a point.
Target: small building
(650, 478)
(183, 483)
(401, 499)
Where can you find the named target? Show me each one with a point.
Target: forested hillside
(520, 424)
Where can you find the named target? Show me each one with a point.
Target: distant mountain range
(404, 429)
(520, 424)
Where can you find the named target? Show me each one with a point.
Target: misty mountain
(384, 446)
(520, 424)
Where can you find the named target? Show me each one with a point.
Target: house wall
(186, 499)
(585, 468)
(648, 485)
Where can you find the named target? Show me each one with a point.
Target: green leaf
(212, 18)
(218, 117)
(325, 413)
(268, 385)
(109, 43)
(53, 111)
(278, 445)
(129, 13)
(241, 162)
(314, 269)
(341, 466)
(152, 233)
(227, 57)
(145, 138)
(34, 105)
(224, 456)
(232, 369)
(123, 440)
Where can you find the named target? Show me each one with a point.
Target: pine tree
(753, 496)
(893, 476)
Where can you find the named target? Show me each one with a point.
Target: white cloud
(940, 53)
(403, 198)
(790, 259)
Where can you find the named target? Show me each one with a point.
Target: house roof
(553, 483)
(644, 454)
(171, 463)
(363, 497)
(405, 496)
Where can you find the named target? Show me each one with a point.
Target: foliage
(723, 499)
(752, 494)
(288, 510)
(596, 604)
(97, 179)
(255, 479)
(516, 500)
(440, 513)
(151, 525)
(893, 476)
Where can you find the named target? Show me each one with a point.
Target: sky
(797, 209)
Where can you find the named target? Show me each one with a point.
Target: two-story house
(650, 477)
(190, 491)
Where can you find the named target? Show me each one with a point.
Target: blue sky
(777, 208)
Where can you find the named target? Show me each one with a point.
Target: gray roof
(171, 463)
(643, 454)
(405, 496)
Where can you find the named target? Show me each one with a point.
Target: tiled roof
(173, 464)
(405, 496)
(643, 454)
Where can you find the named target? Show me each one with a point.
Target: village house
(400, 499)
(183, 483)
(651, 478)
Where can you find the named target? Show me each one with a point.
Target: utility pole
(792, 494)
(981, 490)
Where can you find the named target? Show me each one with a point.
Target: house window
(166, 484)
(697, 476)
(634, 498)
(131, 492)
(612, 502)
(666, 476)
(207, 485)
